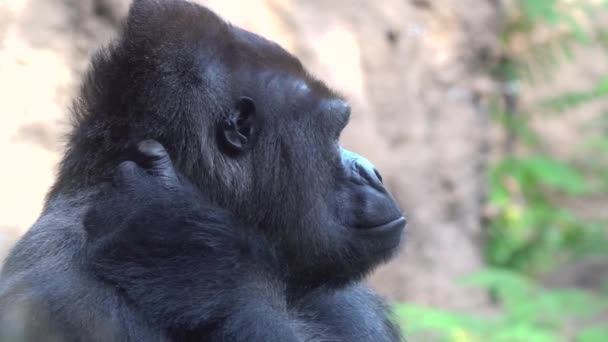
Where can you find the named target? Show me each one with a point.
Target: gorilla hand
(136, 187)
(157, 163)
(148, 221)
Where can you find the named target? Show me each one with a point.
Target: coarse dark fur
(262, 231)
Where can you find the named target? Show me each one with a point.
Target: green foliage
(536, 172)
(574, 99)
(555, 13)
(593, 334)
(531, 313)
(532, 227)
(529, 228)
(565, 21)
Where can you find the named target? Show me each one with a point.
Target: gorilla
(203, 196)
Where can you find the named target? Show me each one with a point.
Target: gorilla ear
(239, 127)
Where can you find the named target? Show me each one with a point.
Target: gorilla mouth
(385, 238)
(392, 226)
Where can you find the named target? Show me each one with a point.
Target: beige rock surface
(409, 68)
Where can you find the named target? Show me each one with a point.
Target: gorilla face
(327, 205)
(252, 129)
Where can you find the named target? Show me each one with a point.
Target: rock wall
(414, 71)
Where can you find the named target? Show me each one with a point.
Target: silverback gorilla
(203, 196)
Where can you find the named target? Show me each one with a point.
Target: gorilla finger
(158, 161)
(127, 174)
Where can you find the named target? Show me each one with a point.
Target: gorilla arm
(194, 271)
(189, 267)
(353, 313)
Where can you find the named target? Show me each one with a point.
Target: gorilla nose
(361, 166)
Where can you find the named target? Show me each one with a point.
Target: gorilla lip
(396, 224)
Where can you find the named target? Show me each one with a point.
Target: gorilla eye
(237, 129)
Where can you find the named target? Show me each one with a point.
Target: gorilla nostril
(378, 175)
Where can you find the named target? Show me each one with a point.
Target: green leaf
(593, 334)
(556, 174)
(602, 87)
(573, 99)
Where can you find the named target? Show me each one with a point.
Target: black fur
(263, 236)
(168, 243)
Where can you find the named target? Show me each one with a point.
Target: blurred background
(488, 120)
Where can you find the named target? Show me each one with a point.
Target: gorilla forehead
(187, 31)
(263, 61)
(196, 48)
(260, 51)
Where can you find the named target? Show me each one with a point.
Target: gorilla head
(245, 123)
